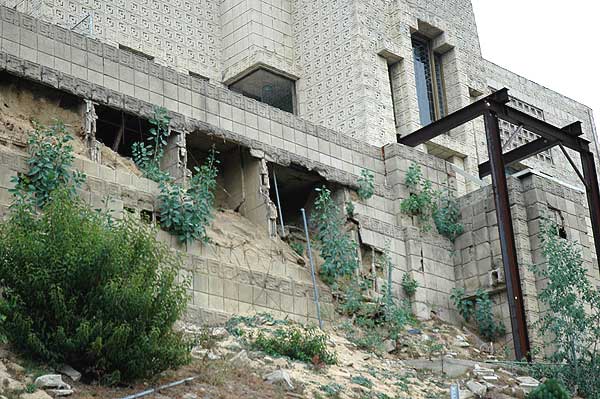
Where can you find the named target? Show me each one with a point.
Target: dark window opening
(118, 130)
(559, 220)
(296, 187)
(269, 88)
(429, 81)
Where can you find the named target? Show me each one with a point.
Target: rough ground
(225, 366)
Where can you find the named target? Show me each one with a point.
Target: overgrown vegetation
(425, 204)
(49, 166)
(298, 247)
(479, 307)
(409, 285)
(551, 389)
(307, 344)
(366, 184)
(571, 324)
(147, 156)
(83, 289)
(337, 248)
(187, 211)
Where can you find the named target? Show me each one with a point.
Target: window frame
(438, 82)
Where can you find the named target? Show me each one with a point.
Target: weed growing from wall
(478, 307)
(409, 285)
(366, 184)
(298, 247)
(186, 212)
(49, 166)
(337, 248)
(572, 322)
(425, 204)
(147, 156)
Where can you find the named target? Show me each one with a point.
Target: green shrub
(349, 209)
(337, 248)
(366, 184)
(462, 303)
(147, 156)
(409, 285)
(186, 213)
(551, 389)
(99, 296)
(480, 308)
(298, 247)
(446, 217)
(420, 202)
(49, 166)
(362, 381)
(572, 323)
(307, 344)
(426, 203)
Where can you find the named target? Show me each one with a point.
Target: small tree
(572, 321)
(338, 249)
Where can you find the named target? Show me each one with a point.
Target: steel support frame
(507, 238)
(493, 108)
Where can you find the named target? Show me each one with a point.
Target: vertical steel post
(278, 204)
(593, 195)
(507, 238)
(312, 269)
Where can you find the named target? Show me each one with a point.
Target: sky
(555, 43)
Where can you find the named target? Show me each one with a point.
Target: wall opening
(296, 191)
(118, 130)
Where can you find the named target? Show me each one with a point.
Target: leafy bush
(300, 343)
(50, 160)
(366, 184)
(148, 156)
(446, 217)
(488, 327)
(479, 307)
(337, 248)
(349, 209)
(362, 381)
(551, 389)
(187, 212)
(426, 203)
(298, 247)
(420, 202)
(409, 285)
(462, 303)
(572, 323)
(100, 296)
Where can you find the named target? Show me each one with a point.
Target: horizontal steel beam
(530, 149)
(455, 119)
(542, 128)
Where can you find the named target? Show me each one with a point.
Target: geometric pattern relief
(524, 136)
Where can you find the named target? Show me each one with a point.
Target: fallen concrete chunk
(70, 372)
(51, 381)
(279, 376)
(477, 388)
(60, 392)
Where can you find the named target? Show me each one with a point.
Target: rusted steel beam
(569, 138)
(593, 194)
(520, 153)
(455, 119)
(507, 238)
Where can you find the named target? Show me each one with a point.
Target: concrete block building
(312, 92)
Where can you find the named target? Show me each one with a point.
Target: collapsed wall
(246, 267)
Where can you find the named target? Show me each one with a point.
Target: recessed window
(267, 87)
(429, 79)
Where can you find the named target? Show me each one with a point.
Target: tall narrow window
(429, 80)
